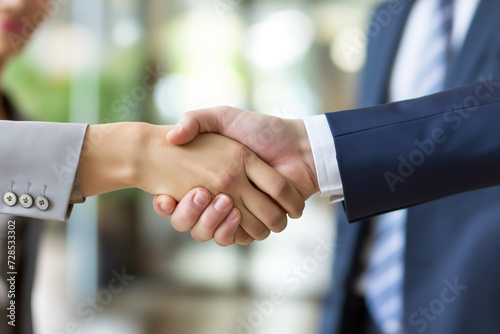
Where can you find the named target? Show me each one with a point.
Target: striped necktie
(383, 280)
(438, 54)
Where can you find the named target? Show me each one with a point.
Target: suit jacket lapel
(475, 44)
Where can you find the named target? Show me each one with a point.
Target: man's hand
(282, 143)
(221, 224)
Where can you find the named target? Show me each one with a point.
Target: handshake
(243, 172)
(234, 174)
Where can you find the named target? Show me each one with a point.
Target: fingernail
(165, 207)
(179, 127)
(232, 216)
(222, 203)
(201, 198)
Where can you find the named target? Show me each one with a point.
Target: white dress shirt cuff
(325, 158)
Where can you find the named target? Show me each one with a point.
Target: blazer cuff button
(9, 198)
(26, 201)
(42, 203)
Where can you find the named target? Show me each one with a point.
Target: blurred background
(116, 267)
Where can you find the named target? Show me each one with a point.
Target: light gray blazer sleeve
(40, 159)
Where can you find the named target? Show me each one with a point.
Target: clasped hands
(264, 167)
(242, 172)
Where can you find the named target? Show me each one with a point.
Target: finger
(250, 223)
(164, 205)
(190, 208)
(267, 215)
(186, 130)
(275, 185)
(243, 238)
(225, 234)
(211, 218)
(201, 121)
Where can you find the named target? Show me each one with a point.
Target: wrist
(110, 158)
(135, 137)
(306, 153)
(154, 157)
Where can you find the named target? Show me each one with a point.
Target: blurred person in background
(431, 268)
(40, 179)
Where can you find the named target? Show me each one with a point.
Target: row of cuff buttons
(26, 201)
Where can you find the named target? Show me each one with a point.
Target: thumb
(164, 205)
(185, 131)
(201, 121)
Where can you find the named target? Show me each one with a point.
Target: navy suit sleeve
(405, 153)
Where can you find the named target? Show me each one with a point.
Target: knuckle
(188, 214)
(224, 180)
(277, 124)
(280, 186)
(209, 222)
(183, 219)
(240, 152)
(224, 108)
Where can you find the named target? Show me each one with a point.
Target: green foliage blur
(42, 96)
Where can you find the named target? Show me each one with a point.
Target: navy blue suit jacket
(392, 156)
